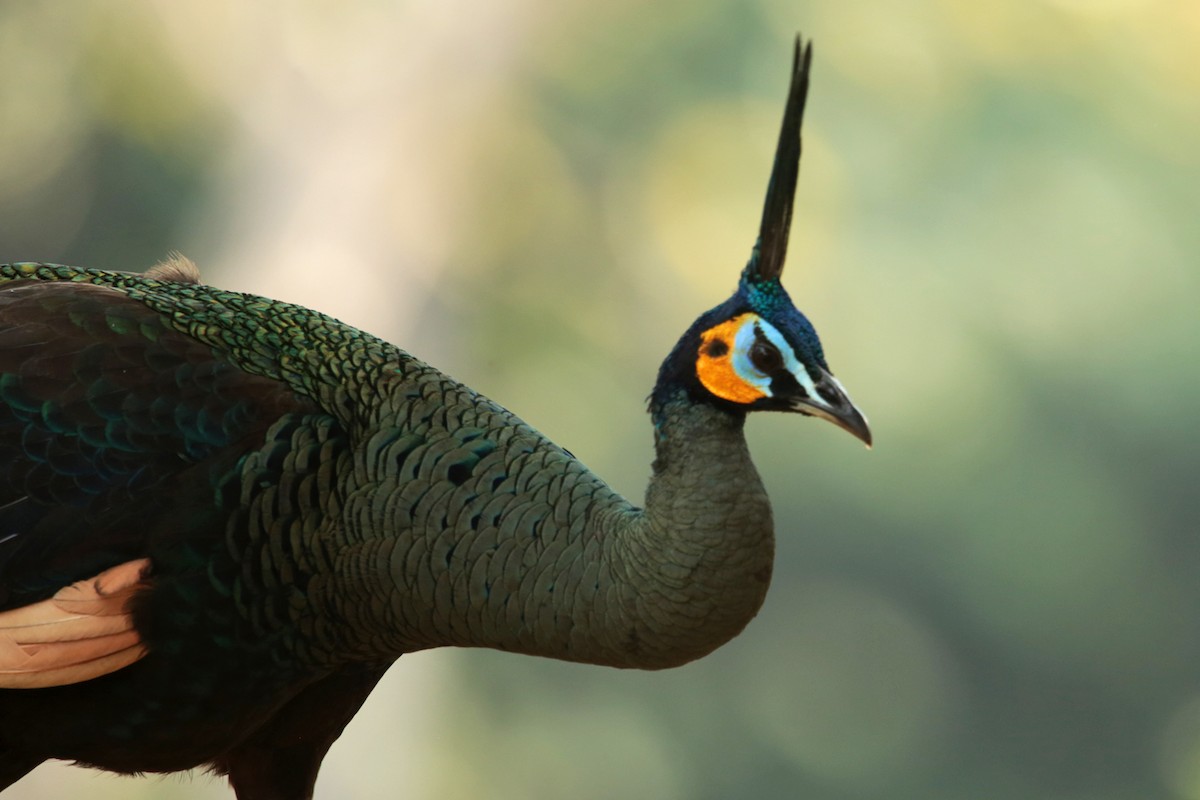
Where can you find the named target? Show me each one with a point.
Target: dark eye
(765, 357)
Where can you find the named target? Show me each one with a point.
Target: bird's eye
(765, 357)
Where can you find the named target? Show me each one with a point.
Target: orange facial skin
(714, 363)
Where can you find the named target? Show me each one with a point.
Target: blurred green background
(996, 236)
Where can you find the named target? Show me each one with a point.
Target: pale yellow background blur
(996, 237)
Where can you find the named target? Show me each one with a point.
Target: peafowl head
(757, 351)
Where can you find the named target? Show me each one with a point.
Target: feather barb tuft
(176, 268)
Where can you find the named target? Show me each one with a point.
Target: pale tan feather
(176, 268)
(84, 631)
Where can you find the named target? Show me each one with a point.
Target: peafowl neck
(705, 538)
(530, 552)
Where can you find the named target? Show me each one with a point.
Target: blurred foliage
(995, 236)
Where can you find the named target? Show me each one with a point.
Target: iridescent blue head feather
(757, 351)
(771, 301)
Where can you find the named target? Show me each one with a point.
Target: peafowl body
(223, 517)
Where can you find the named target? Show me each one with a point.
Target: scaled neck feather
(566, 568)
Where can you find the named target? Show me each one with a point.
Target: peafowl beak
(830, 402)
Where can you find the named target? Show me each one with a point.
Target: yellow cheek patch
(714, 363)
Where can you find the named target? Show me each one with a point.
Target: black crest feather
(766, 262)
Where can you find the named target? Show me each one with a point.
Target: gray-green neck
(546, 560)
(705, 538)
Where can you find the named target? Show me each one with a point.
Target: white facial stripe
(740, 359)
(745, 367)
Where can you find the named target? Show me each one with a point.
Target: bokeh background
(996, 236)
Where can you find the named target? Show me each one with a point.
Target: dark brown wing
(102, 404)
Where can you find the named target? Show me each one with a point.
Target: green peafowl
(223, 517)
